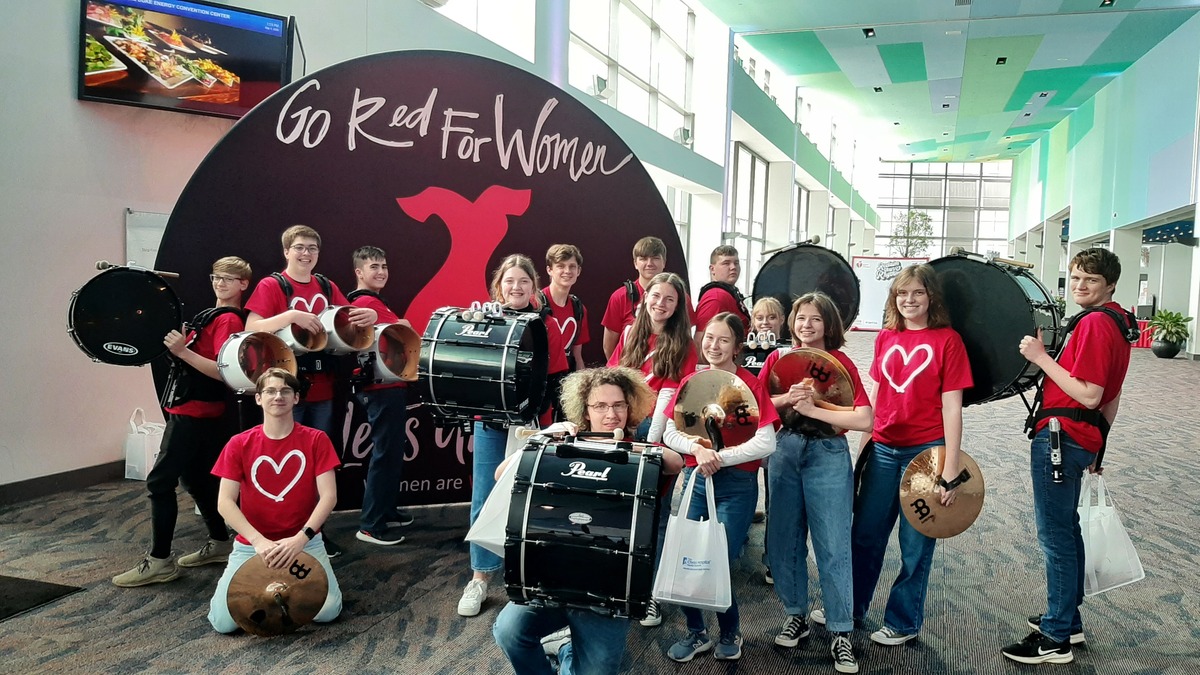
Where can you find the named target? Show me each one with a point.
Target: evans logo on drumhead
(693, 564)
(471, 331)
(580, 470)
(579, 518)
(120, 349)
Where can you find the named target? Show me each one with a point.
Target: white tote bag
(694, 568)
(488, 529)
(1111, 560)
(141, 445)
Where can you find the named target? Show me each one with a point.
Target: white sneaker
(817, 616)
(653, 614)
(891, 637)
(472, 598)
(553, 643)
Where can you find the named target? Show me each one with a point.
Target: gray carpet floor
(400, 602)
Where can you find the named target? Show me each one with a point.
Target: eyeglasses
(218, 279)
(301, 248)
(603, 408)
(272, 392)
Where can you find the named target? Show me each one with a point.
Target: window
(800, 228)
(679, 203)
(747, 232)
(967, 204)
(508, 24)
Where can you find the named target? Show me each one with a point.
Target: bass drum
(804, 268)
(246, 356)
(122, 315)
(993, 306)
(493, 369)
(583, 527)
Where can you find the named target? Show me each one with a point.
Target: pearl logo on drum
(580, 470)
(470, 330)
(120, 349)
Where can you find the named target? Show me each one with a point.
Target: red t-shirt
(620, 313)
(386, 316)
(268, 300)
(689, 363)
(211, 338)
(1095, 352)
(715, 301)
(569, 332)
(913, 368)
(767, 415)
(861, 400)
(278, 477)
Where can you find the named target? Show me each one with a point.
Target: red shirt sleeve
(615, 359)
(861, 400)
(616, 311)
(956, 369)
(229, 464)
(324, 456)
(267, 300)
(338, 298)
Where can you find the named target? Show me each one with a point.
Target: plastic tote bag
(488, 530)
(694, 569)
(141, 445)
(1111, 560)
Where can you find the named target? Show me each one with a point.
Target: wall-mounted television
(185, 55)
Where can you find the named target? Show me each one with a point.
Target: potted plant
(1170, 332)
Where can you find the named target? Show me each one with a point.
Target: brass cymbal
(723, 397)
(921, 505)
(831, 382)
(268, 602)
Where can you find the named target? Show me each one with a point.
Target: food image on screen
(189, 55)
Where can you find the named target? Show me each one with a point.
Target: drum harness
(185, 383)
(360, 376)
(312, 362)
(1127, 325)
(732, 291)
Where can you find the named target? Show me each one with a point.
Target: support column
(781, 192)
(868, 240)
(1051, 251)
(839, 239)
(1193, 306)
(818, 215)
(704, 234)
(1175, 275)
(854, 247)
(552, 34)
(1127, 244)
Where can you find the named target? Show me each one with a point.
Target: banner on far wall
(874, 279)
(447, 161)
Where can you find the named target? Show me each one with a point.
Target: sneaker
(653, 614)
(1035, 622)
(472, 598)
(843, 654)
(891, 638)
(1037, 648)
(403, 518)
(331, 549)
(729, 648)
(685, 650)
(148, 571)
(817, 616)
(768, 578)
(553, 643)
(793, 629)
(385, 538)
(211, 553)
(759, 517)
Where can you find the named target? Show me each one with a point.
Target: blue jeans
(875, 511)
(596, 648)
(1055, 508)
(218, 607)
(489, 446)
(318, 415)
(736, 495)
(812, 489)
(387, 414)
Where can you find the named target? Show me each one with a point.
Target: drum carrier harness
(732, 290)
(1127, 325)
(185, 383)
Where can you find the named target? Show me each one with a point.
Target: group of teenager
(920, 369)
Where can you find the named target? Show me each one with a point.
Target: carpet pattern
(400, 602)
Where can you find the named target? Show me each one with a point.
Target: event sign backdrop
(874, 280)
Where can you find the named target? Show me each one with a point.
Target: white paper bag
(1111, 560)
(694, 568)
(488, 529)
(141, 445)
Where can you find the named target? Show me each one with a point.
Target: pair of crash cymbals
(717, 401)
(273, 601)
(833, 389)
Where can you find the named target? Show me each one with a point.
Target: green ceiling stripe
(1137, 34)
(797, 53)
(1064, 81)
(987, 86)
(904, 62)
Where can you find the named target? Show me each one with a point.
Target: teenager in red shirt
(649, 259)
(920, 369)
(277, 489)
(566, 317)
(196, 431)
(1084, 384)
(720, 294)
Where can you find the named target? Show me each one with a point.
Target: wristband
(309, 532)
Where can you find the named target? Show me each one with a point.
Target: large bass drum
(492, 368)
(583, 527)
(992, 306)
(804, 268)
(122, 315)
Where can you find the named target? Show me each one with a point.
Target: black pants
(189, 450)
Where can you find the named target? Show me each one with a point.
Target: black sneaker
(1035, 622)
(403, 518)
(1037, 648)
(385, 538)
(793, 629)
(843, 654)
(331, 549)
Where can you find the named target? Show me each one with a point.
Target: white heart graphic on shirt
(906, 357)
(568, 341)
(314, 306)
(278, 470)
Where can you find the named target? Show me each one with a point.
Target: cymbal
(921, 505)
(268, 602)
(831, 381)
(723, 397)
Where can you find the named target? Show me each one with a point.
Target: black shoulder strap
(1126, 322)
(360, 292)
(284, 284)
(209, 315)
(322, 281)
(631, 290)
(542, 299)
(738, 298)
(577, 309)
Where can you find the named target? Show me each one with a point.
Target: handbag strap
(133, 423)
(686, 503)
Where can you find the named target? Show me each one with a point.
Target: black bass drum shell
(804, 268)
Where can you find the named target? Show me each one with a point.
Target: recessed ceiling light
(868, 32)
(878, 90)
(945, 105)
(1043, 95)
(896, 123)
(945, 149)
(1001, 60)
(1008, 138)
(1026, 114)
(1106, 3)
